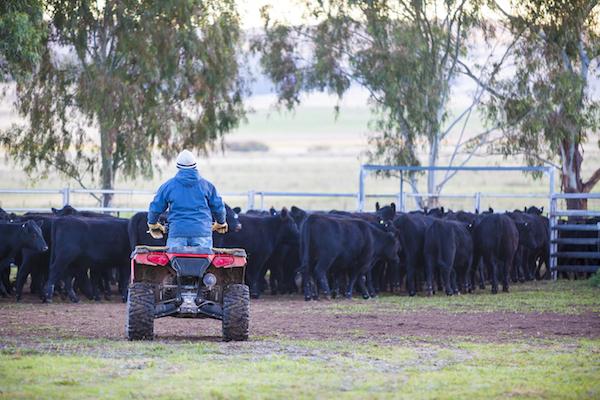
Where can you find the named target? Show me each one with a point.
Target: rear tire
(140, 312)
(236, 312)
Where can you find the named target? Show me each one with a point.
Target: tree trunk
(570, 174)
(432, 201)
(107, 173)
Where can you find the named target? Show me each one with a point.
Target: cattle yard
(542, 340)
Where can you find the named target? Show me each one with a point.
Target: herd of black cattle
(324, 253)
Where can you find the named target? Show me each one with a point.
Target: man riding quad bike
(187, 277)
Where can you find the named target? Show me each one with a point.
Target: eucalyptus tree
(405, 53)
(22, 32)
(546, 104)
(118, 79)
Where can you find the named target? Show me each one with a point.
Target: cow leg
(6, 277)
(508, 267)
(491, 262)
(352, 281)
(124, 275)
(454, 280)
(529, 265)
(440, 280)
(371, 290)
(429, 271)
(22, 274)
(69, 289)
(363, 287)
(445, 271)
(321, 276)
(335, 286)
(49, 287)
(96, 282)
(256, 274)
(3, 291)
(306, 283)
(4, 267)
(410, 276)
(39, 277)
(505, 276)
(481, 266)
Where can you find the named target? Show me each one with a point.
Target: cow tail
(305, 258)
(53, 249)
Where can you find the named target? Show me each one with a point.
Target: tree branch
(76, 177)
(594, 179)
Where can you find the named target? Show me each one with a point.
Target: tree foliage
(546, 106)
(146, 74)
(22, 32)
(405, 53)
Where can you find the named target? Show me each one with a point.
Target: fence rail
(573, 261)
(254, 198)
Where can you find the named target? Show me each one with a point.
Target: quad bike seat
(190, 250)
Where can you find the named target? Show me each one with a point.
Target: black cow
(138, 231)
(79, 243)
(35, 263)
(69, 210)
(138, 227)
(386, 213)
(261, 236)
(6, 217)
(13, 238)
(533, 244)
(448, 248)
(336, 244)
(410, 230)
(495, 239)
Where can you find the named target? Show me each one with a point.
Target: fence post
(477, 202)
(361, 189)
(250, 202)
(553, 221)
(262, 200)
(66, 196)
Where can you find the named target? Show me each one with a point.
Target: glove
(220, 228)
(156, 230)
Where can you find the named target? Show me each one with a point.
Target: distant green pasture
(310, 151)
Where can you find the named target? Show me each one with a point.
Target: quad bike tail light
(223, 261)
(160, 259)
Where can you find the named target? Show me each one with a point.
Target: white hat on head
(186, 160)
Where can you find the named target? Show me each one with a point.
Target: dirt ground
(292, 317)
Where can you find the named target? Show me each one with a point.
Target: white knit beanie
(186, 160)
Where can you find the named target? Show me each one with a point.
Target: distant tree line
(168, 74)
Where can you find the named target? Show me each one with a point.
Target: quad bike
(190, 282)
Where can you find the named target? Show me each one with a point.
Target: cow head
(392, 247)
(66, 210)
(534, 210)
(436, 212)
(288, 232)
(232, 218)
(298, 215)
(31, 236)
(386, 213)
(526, 236)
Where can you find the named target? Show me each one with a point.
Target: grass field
(540, 341)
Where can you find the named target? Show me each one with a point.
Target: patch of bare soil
(293, 318)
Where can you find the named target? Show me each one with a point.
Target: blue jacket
(193, 202)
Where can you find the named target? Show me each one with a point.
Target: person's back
(193, 203)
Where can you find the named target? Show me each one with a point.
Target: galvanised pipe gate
(576, 222)
(551, 196)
